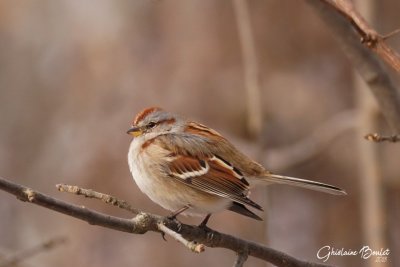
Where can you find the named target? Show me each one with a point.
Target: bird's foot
(203, 224)
(173, 215)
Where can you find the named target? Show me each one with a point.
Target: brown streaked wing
(231, 154)
(213, 176)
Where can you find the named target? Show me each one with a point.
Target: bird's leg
(173, 215)
(203, 224)
(163, 236)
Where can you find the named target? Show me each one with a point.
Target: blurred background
(74, 73)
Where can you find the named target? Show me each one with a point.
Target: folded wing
(213, 175)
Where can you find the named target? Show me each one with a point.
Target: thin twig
(390, 34)
(93, 194)
(144, 222)
(30, 252)
(375, 137)
(191, 245)
(241, 258)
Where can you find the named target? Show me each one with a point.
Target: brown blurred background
(74, 73)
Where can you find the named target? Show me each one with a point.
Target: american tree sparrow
(188, 168)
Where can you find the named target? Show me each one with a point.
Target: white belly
(166, 191)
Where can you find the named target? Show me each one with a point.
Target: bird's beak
(135, 131)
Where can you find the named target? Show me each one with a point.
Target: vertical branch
(371, 197)
(251, 70)
(252, 83)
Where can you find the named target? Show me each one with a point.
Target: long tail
(280, 179)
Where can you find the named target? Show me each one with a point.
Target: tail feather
(241, 209)
(313, 185)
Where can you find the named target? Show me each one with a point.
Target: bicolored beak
(134, 131)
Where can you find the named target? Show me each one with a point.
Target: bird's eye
(151, 124)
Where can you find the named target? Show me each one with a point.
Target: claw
(179, 226)
(171, 217)
(163, 236)
(203, 224)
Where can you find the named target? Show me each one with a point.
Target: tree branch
(241, 258)
(89, 193)
(368, 36)
(144, 222)
(375, 137)
(342, 22)
(191, 245)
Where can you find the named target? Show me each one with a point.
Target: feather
(241, 209)
(212, 175)
(313, 185)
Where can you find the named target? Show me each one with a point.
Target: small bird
(189, 168)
